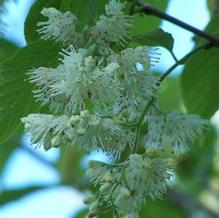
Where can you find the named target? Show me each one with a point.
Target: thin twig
(150, 10)
(174, 56)
(183, 60)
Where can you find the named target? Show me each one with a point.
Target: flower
(60, 27)
(87, 131)
(111, 28)
(78, 80)
(100, 100)
(137, 85)
(125, 185)
(45, 129)
(174, 129)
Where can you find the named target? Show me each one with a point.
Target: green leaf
(81, 214)
(12, 195)
(197, 166)
(156, 38)
(145, 24)
(161, 208)
(16, 99)
(169, 95)
(200, 81)
(87, 11)
(7, 48)
(200, 78)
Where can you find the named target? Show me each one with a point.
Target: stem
(183, 60)
(147, 106)
(174, 56)
(150, 10)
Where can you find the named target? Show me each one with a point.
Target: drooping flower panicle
(96, 96)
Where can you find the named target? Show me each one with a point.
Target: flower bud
(95, 164)
(85, 114)
(124, 192)
(47, 146)
(56, 141)
(75, 119)
(70, 134)
(105, 187)
(120, 119)
(80, 131)
(93, 206)
(89, 199)
(108, 176)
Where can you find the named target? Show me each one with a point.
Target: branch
(150, 10)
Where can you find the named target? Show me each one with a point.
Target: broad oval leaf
(144, 24)
(156, 38)
(200, 81)
(200, 78)
(16, 99)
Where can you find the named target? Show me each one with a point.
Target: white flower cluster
(76, 81)
(111, 28)
(125, 186)
(96, 97)
(85, 130)
(60, 27)
(173, 129)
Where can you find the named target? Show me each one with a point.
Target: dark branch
(150, 10)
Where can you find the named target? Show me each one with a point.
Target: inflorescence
(96, 97)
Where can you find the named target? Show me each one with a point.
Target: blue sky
(24, 170)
